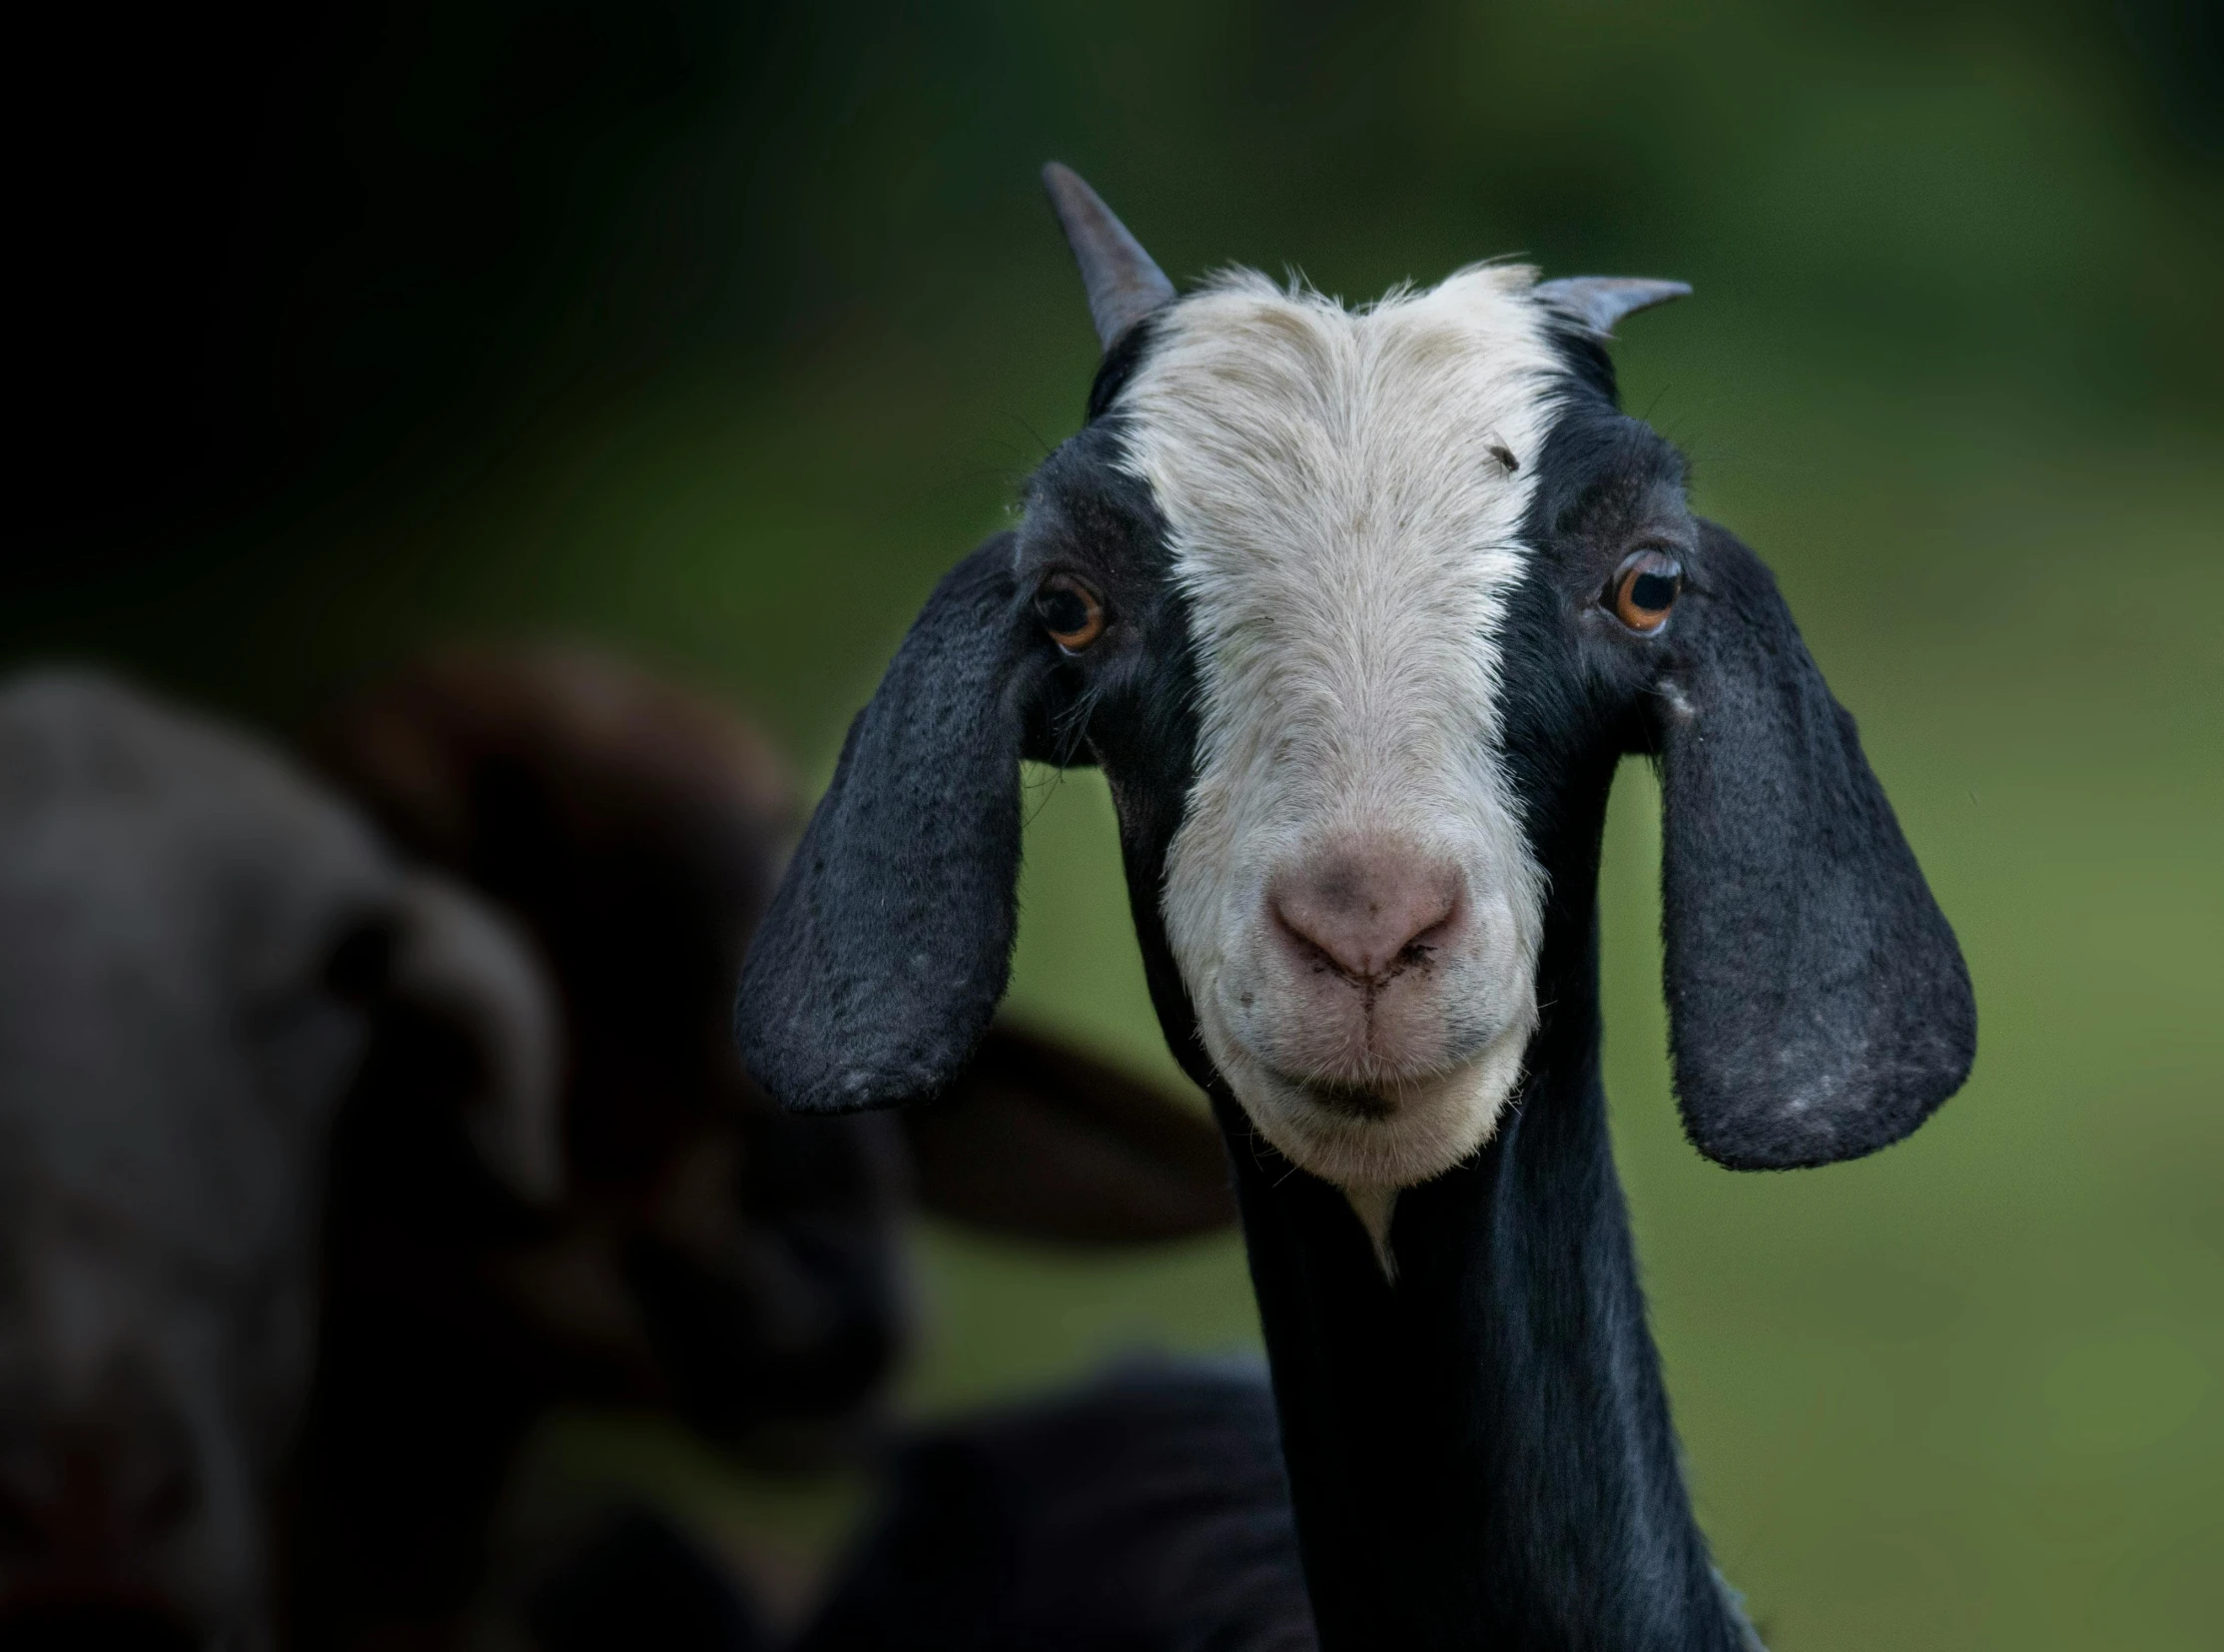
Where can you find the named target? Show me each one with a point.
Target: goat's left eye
(1644, 589)
(1071, 612)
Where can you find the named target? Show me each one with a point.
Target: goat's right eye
(1071, 612)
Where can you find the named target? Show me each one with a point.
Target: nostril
(1435, 930)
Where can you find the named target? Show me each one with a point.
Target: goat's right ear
(883, 955)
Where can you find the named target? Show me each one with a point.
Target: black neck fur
(1480, 1455)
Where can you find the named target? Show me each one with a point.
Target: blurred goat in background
(715, 1257)
(201, 953)
(232, 1020)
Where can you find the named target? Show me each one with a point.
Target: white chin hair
(1393, 1135)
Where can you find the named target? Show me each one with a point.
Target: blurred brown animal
(715, 1256)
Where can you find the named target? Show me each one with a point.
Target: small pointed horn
(1598, 302)
(1123, 285)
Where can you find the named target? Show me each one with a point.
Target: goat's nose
(98, 1492)
(1369, 910)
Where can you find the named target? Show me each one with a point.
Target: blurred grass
(1953, 369)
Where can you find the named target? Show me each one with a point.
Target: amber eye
(1071, 612)
(1645, 589)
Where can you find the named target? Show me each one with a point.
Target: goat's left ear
(884, 953)
(1819, 1007)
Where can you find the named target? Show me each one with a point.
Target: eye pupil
(1064, 612)
(1652, 593)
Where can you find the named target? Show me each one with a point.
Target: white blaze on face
(1347, 530)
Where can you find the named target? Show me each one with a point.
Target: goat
(201, 954)
(738, 1268)
(1359, 611)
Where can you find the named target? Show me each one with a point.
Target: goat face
(1350, 896)
(1337, 517)
(1358, 611)
(173, 1044)
(1344, 509)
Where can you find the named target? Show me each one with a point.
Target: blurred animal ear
(1039, 1142)
(889, 943)
(1819, 1007)
(463, 989)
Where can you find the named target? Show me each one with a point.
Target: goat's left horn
(1123, 285)
(1598, 302)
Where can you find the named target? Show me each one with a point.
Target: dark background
(713, 332)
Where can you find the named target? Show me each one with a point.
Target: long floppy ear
(1819, 1008)
(884, 953)
(1038, 1140)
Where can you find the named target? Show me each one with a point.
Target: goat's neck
(1480, 1455)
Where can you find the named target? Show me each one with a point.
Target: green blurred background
(714, 333)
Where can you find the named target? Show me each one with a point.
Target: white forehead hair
(1345, 492)
(1316, 465)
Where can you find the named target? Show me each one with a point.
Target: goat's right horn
(1123, 285)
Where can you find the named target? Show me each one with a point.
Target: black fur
(1145, 1512)
(1819, 1004)
(1480, 1455)
(885, 949)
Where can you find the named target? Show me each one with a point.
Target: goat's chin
(1375, 1139)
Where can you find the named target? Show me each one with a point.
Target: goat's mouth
(1367, 1047)
(1354, 1100)
(1349, 1072)
(1377, 1131)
